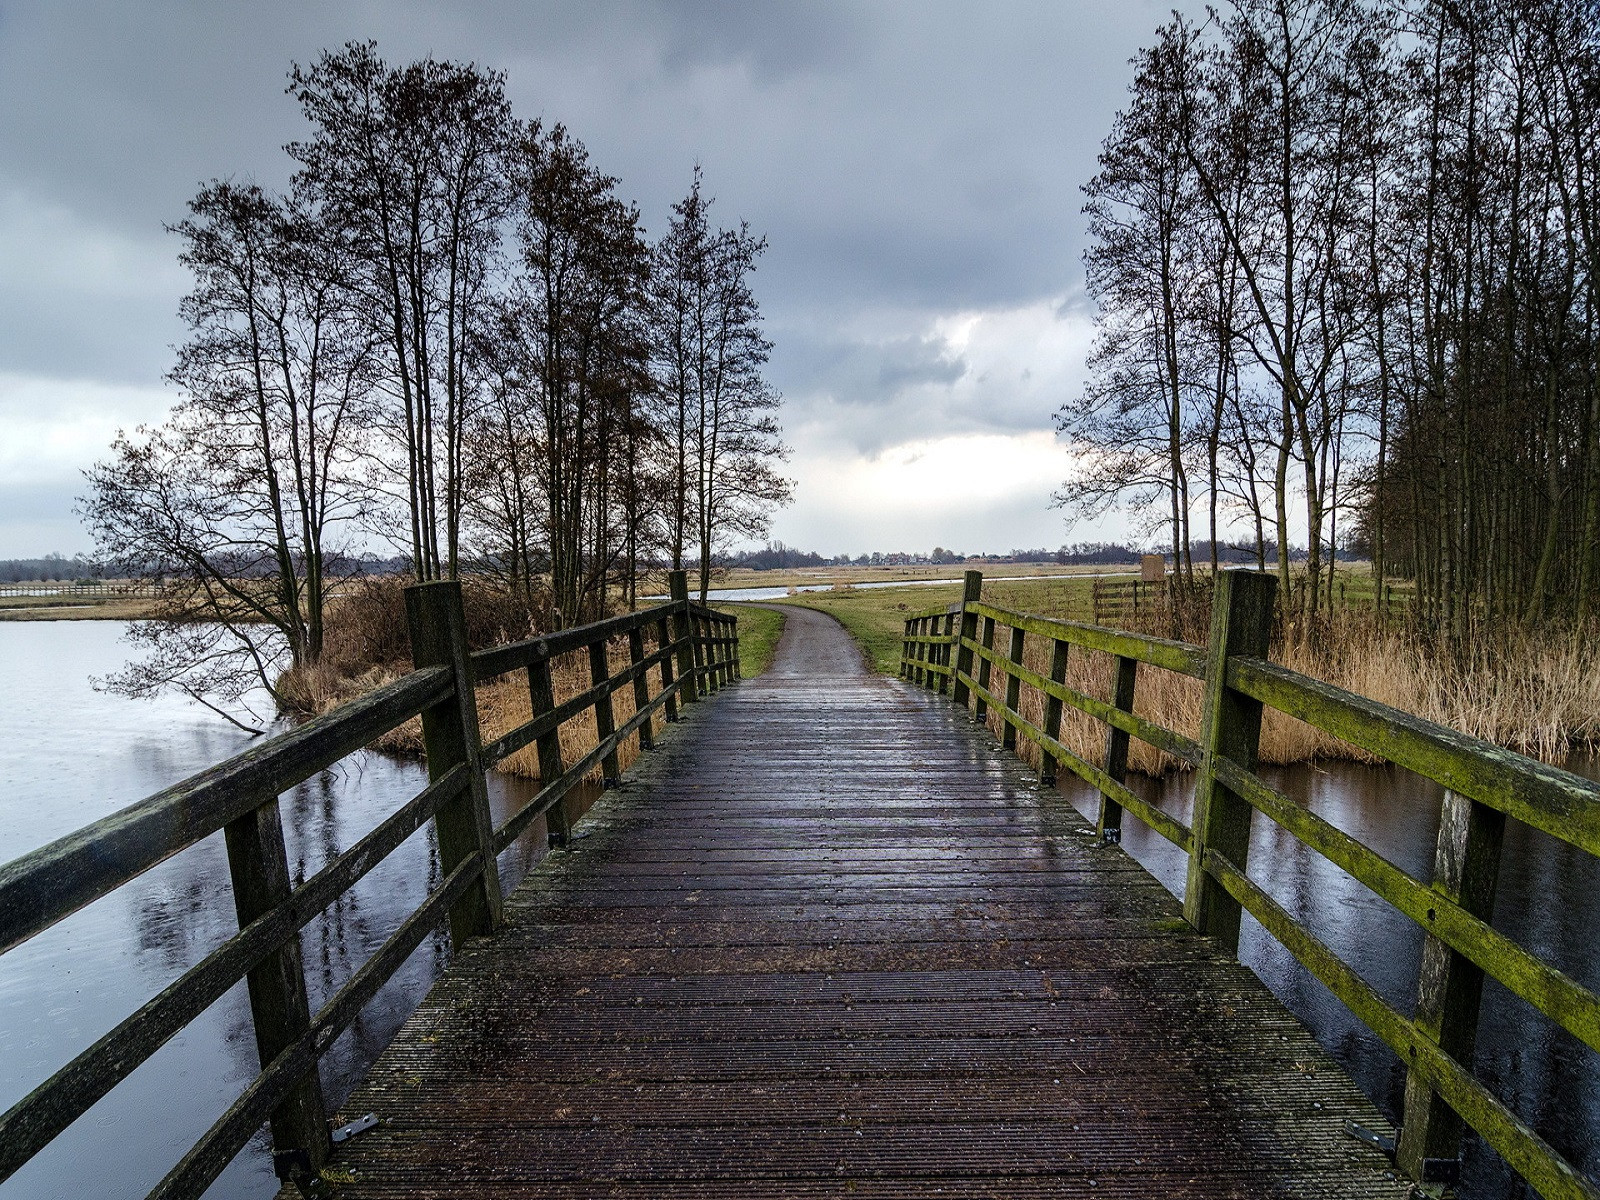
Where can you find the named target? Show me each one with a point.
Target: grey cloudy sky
(915, 167)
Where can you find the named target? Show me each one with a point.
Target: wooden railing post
(905, 649)
(720, 631)
(971, 593)
(738, 663)
(641, 687)
(1052, 712)
(664, 644)
(945, 657)
(1126, 677)
(605, 716)
(980, 710)
(279, 1008)
(1008, 735)
(920, 653)
(683, 634)
(450, 736)
(1449, 987)
(1230, 727)
(541, 699)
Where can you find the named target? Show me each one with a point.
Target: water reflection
(76, 981)
(1548, 901)
(69, 755)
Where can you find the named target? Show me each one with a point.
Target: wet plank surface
(830, 941)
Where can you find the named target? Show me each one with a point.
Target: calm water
(1548, 901)
(69, 755)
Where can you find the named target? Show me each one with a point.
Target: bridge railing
(945, 650)
(694, 651)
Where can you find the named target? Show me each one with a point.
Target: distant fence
(1129, 601)
(693, 651)
(96, 589)
(954, 652)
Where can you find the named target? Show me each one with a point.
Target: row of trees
(1345, 257)
(451, 334)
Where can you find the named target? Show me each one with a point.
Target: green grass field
(759, 631)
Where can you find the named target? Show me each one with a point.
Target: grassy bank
(759, 631)
(1539, 694)
(73, 608)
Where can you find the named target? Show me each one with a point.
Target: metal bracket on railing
(1371, 1137)
(360, 1125)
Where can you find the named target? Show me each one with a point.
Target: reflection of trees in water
(182, 910)
(328, 814)
(1548, 902)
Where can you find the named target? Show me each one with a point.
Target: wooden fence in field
(92, 589)
(954, 652)
(1129, 601)
(688, 651)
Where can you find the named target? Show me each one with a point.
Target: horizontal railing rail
(694, 653)
(946, 651)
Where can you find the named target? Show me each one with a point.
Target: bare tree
(410, 163)
(234, 498)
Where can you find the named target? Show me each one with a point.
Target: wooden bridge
(829, 938)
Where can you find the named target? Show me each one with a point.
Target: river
(70, 754)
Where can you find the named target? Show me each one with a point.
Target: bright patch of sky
(914, 166)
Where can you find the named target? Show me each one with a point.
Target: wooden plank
(56, 880)
(1123, 686)
(1179, 657)
(747, 980)
(1557, 802)
(1230, 728)
(280, 1013)
(450, 736)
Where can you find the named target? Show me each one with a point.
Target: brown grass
(1538, 693)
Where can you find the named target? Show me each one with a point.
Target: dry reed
(1535, 692)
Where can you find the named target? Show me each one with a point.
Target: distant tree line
(1345, 257)
(452, 334)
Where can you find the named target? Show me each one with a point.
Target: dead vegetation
(1534, 692)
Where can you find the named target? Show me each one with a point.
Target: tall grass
(1535, 691)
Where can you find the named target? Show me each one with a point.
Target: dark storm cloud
(906, 161)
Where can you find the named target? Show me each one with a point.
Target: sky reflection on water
(69, 755)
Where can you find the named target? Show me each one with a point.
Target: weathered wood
(542, 702)
(54, 881)
(1563, 999)
(1124, 680)
(1527, 1153)
(1052, 710)
(1159, 822)
(450, 736)
(605, 717)
(662, 1016)
(1230, 727)
(949, 620)
(1158, 652)
(1559, 803)
(37, 1118)
(258, 868)
(641, 687)
(1008, 734)
(1449, 984)
(971, 593)
(664, 648)
(683, 635)
(980, 707)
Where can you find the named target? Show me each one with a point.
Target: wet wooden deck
(829, 941)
